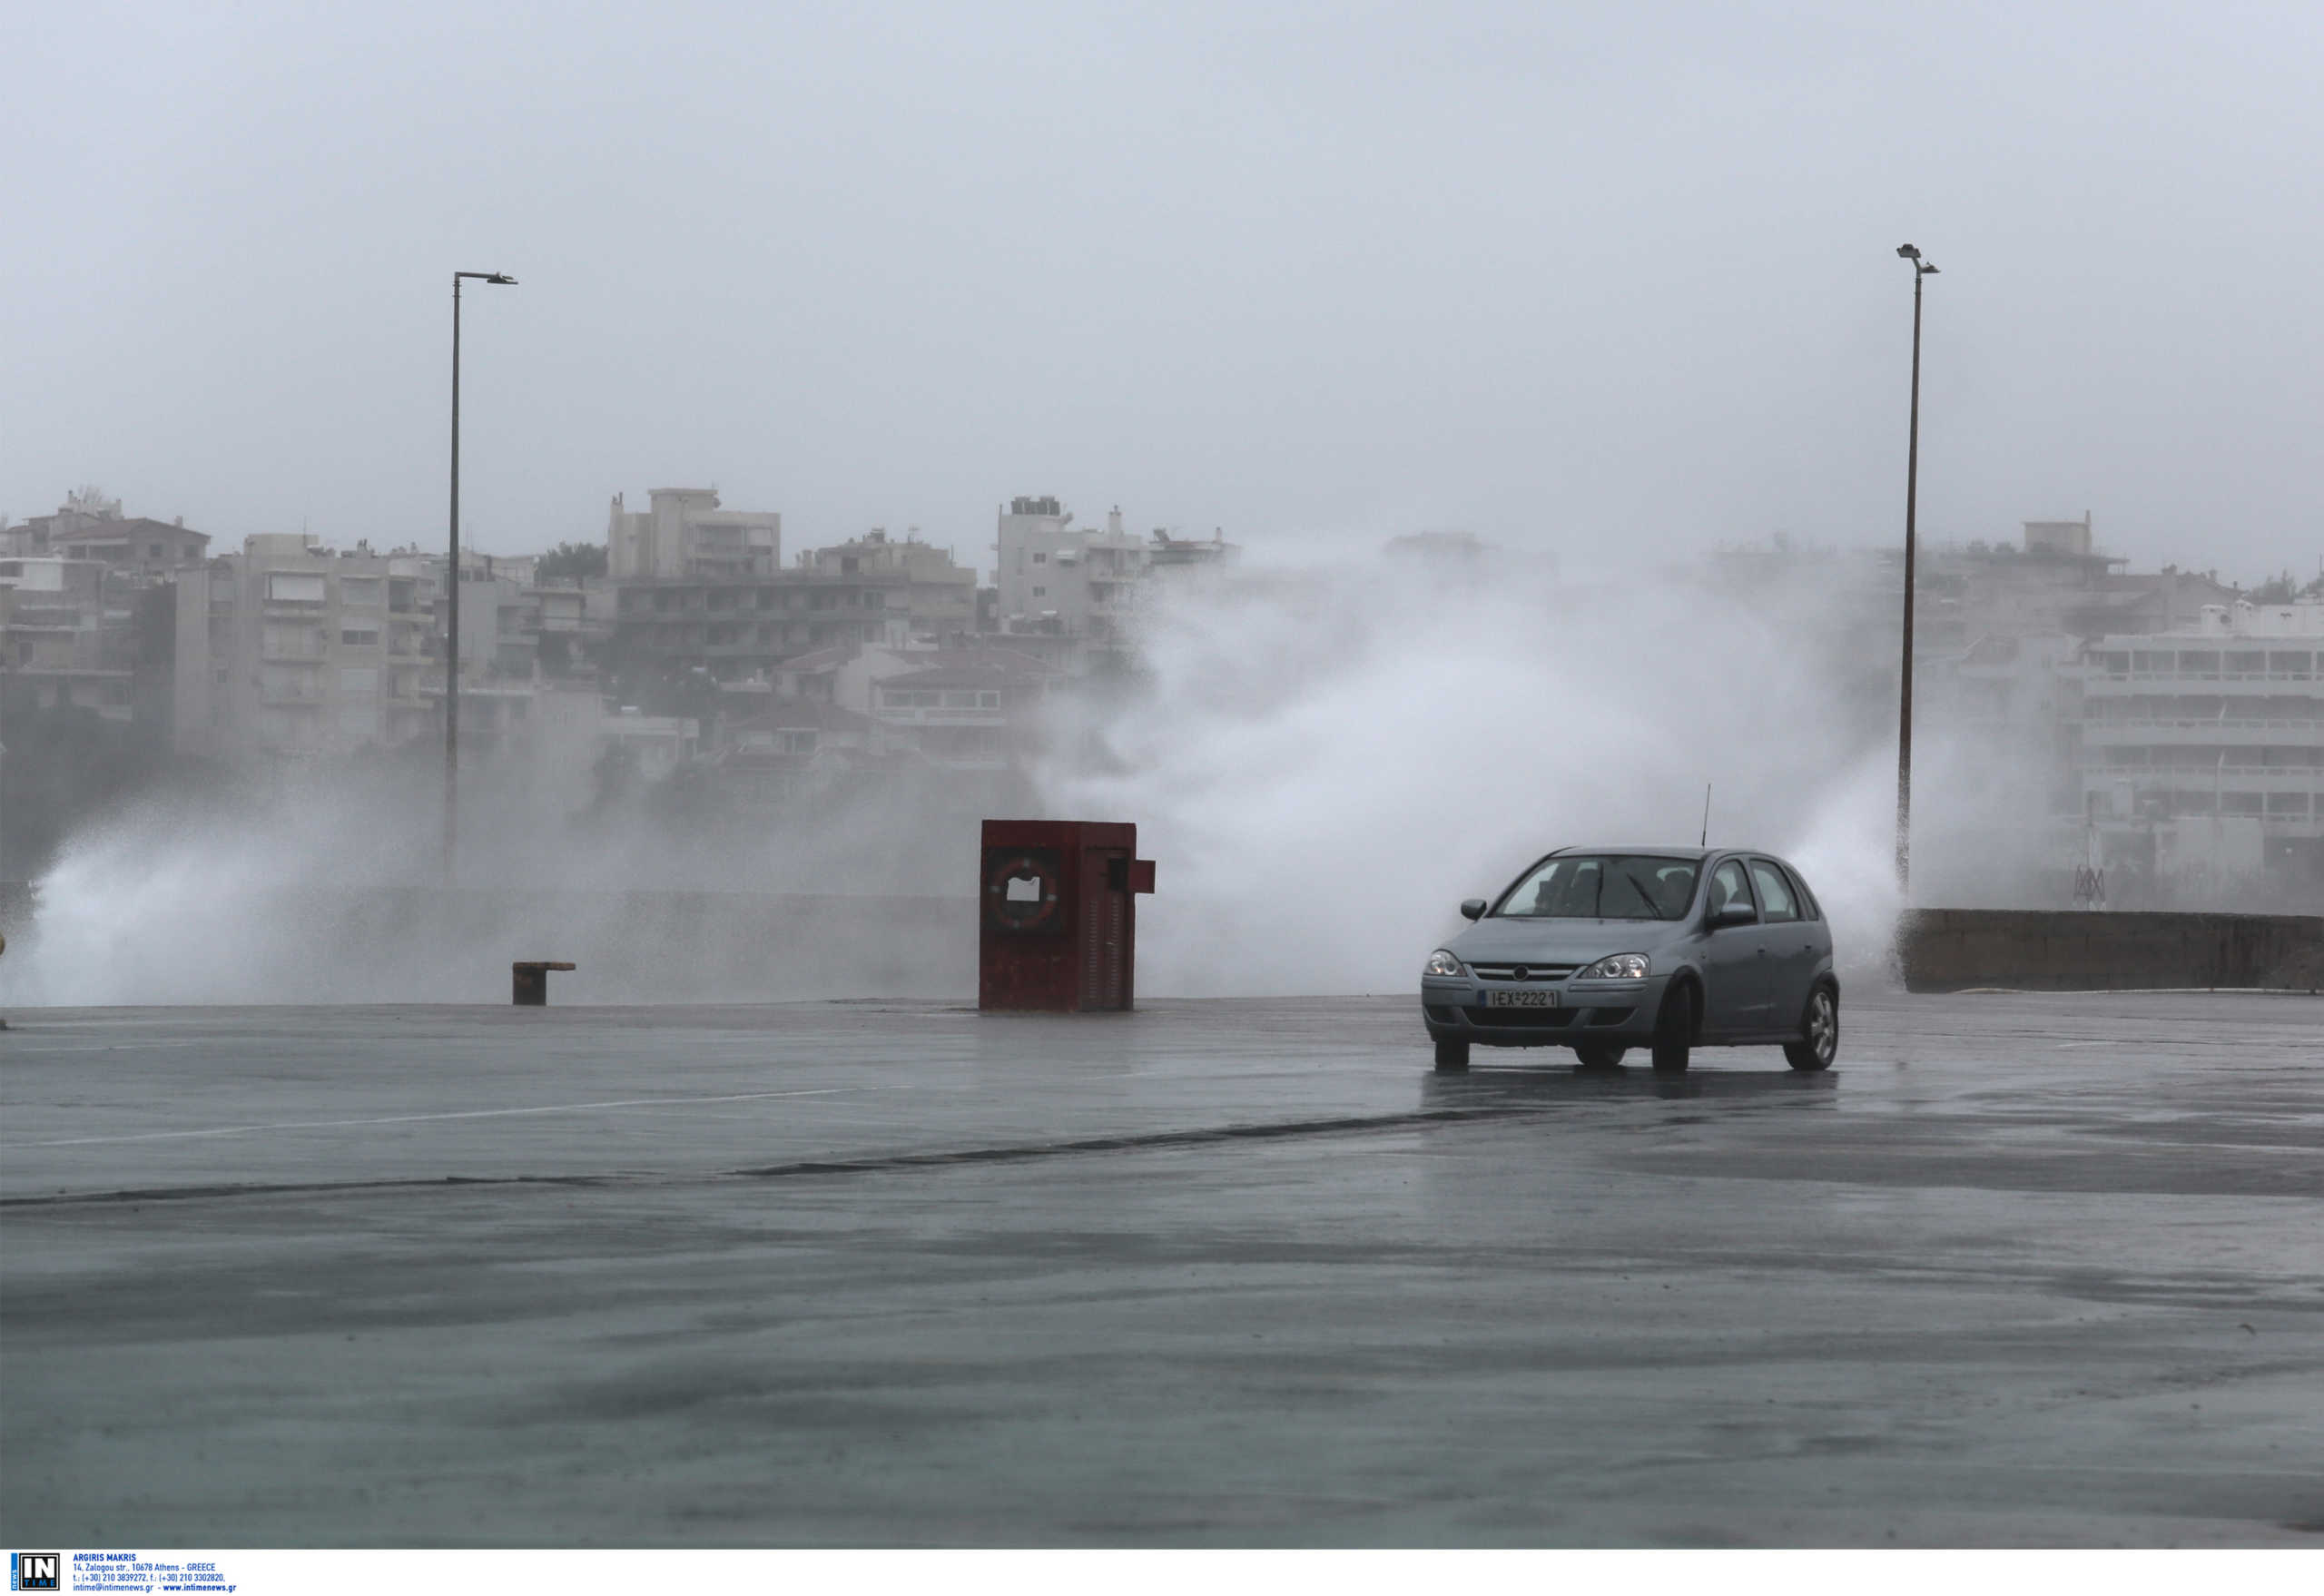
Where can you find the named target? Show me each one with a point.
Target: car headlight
(1617, 967)
(1442, 962)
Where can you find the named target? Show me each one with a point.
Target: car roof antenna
(1704, 842)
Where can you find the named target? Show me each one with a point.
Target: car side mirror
(1473, 909)
(1732, 914)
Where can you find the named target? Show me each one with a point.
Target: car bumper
(1618, 1011)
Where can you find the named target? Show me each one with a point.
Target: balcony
(2202, 734)
(2122, 683)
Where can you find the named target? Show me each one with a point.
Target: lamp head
(1908, 252)
(501, 277)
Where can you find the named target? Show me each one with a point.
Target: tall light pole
(452, 624)
(1922, 270)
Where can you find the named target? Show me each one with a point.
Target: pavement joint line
(83, 1141)
(130, 1047)
(2124, 991)
(1023, 1152)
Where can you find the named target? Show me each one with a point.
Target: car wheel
(1451, 1055)
(1598, 1055)
(1674, 1028)
(1819, 1032)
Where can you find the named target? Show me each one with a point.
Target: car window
(1776, 905)
(1807, 908)
(1728, 885)
(1601, 886)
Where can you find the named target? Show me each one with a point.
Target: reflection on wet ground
(2035, 1270)
(1554, 1088)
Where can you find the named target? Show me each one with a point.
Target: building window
(366, 591)
(360, 637)
(1040, 593)
(287, 587)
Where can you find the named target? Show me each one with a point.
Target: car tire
(1674, 1028)
(1600, 1055)
(1451, 1056)
(1819, 1031)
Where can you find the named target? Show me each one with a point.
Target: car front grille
(1524, 1019)
(1532, 972)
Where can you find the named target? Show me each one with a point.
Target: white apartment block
(684, 534)
(1055, 578)
(2203, 748)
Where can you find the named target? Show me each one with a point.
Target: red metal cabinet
(1057, 915)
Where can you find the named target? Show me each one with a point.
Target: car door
(1735, 973)
(1787, 943)
(1812, 916)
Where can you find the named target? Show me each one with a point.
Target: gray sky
(1605, 278)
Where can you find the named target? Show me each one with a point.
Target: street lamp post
(452, 621)
(1922, 269)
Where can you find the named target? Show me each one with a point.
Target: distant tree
(613, 778)
(65, 766)
(670, 690)
(2281, 588)
(568, 560)
(683, 801)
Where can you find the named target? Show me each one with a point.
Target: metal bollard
(528, 983)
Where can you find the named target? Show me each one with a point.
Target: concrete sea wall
(1945, 950)
(433, 945)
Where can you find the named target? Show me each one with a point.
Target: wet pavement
(2040, 1269)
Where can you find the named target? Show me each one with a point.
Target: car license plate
(1521, 999)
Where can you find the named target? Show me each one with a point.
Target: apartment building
(963, 709)
(90, 526)
(2053, 582)
(291, 648)
(940, 595)
(499, 619)
(65, 636)
(2202, 749)
(79, 591)
(1057, 578)
(741, 629)
(685, 534)
(569, 621)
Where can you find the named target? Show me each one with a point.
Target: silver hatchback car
(1601, 950)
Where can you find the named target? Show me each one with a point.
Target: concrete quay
(2050, 949)
(2023, 1269)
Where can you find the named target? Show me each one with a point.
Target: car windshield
(1602, 886)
